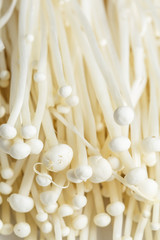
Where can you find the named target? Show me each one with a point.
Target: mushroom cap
(46, 227)
(79, 201)
(51, 208)
(15, 200)
(42, 216)
(72, 177)
(119, 144)
(123, 115)
(136, 175)
(72, 100)
(115, 209)
(102, 220)
(22, 229)
(36, 145)
(65, 210)
(65, 91)
(58, 157)
(101, 169)
(7, 173)
(28, 131)
(20, 150)
(43, 179)
(5, 188)
(48, 197)
(80, 222)
(65, 231)
(149, 188)
(7, 131)
(7, 229)
(83, 172)
(151, 144)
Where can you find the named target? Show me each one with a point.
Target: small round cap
(102, 220)
(65, 210)
(36, 145)
(15, 201)
(22, 229)
(46, 227)
(120, 144)
(83, 172)
(42, 216)
(58, 157)
(20, 150)
(79, 201)
(7, 131)
(28, 131)
(65, 91)
(123, 115)
(101, 169)
(115, 209)
(149, 188)
(7, 173)
(44, 180)
(136, 175)
(80, 222)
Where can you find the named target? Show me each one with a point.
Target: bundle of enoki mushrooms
(79, 119)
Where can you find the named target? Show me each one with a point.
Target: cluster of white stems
(79, 119)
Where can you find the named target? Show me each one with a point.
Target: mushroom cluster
(79, 119)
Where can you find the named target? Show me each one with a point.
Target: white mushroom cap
(5, 188)
(7, 229)
(43, 179)
(80, 222)
(22, 229)
(7, 173)
(72, 100)
(28, 131)
(102, 220)
(101, 169)
(20, 150)
(120, 144)
(46, 227)
(115, 209)
(51, 208)
(42, 216)
(151, 144)
(5, 75)
(83, 172)
(48, 197)
(16, 200)
(136, 175)
(65, 210)
(72, 177)
(7, 131)
(58, 157)
(79, 201)
(149, 188)
(65, 91)
(36, 145)
(65, 231)
(123, 115)
(115, 163)
(150, 159)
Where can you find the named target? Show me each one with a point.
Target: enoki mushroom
(79, 119)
